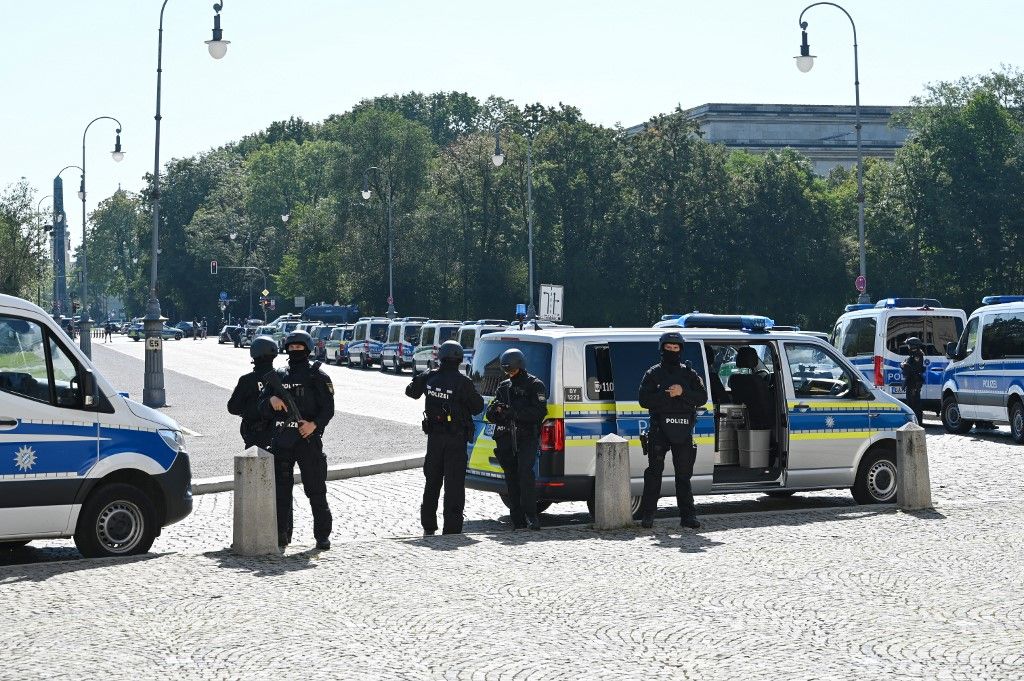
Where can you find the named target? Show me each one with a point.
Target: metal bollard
(255, 505)
(913, 486)
(611, 484)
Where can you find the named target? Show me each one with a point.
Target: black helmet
(513, 359)
(299, 337)
(450, 350)
(914, 343)
(671, 337)
(263, 347)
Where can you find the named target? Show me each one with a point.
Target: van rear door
(48, 436)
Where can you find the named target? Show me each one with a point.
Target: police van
(368, 336)
(803, 430)
(471, 332)
(874, 337)
(403, 335)
(432, 334)
(77, 459)
(985, 377)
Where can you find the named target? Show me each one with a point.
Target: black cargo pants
(519, 476)
(309, 455)
(684, 454)
(444, 464)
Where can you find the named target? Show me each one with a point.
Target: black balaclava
(262, 365)
(450, 363)
(669, 358)
(297, 358)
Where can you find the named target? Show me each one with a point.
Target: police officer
(913, 376)
(451, 402)
(671, 391)
(298, 439)
(256, 430)
(519, 407)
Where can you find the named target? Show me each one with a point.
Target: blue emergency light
(859, 306)
(996, 300)
(908, 302)
(752, 323)
(520, 309)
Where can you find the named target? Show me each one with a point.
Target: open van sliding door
(630, 360)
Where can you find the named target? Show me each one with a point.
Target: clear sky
(64, 62)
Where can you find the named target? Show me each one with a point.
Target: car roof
(642, 333)
(1000, 307)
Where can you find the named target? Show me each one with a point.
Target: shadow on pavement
(29, 568)
(926, 514)
(443, 542)
(264, 566)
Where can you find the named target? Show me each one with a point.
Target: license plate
(898, 389)
(489, 430)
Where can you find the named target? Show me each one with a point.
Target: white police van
(368, 337)
(77, 459)
(826, 426)
(471, 332)
(874, 337)
(985, 377)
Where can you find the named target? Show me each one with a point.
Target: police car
(985, 377)
(874, 337)
(471, 332)
(77, 459)
(367, 342)
(403, 335)
(830, 429)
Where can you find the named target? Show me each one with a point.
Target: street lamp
(47, 228)
(366, 193)
(498, 157)
(61, 301)
(805, 62)
(85, 339)
(153, 394)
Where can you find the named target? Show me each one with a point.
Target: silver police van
(814, 424)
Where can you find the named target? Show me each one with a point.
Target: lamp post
(153, 394)
(498, 158)
(62, 301)
(367, 193)
(85, 339)
(46, 229)
(805, 62)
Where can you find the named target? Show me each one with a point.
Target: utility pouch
(286, 437)
(644, 445)
(676, 428)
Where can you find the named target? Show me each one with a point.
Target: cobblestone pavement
(820, 589)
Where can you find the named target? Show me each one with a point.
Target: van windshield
(487, 374)
(337, 333)
(933, 331)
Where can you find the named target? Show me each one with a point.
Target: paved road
(200, 375)
(839, 592)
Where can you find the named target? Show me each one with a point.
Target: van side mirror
(951, 350)
(88, 387)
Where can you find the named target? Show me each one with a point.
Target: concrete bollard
(611, 484)
(913, 486)
(255, 504)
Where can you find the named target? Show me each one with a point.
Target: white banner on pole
(551, 302)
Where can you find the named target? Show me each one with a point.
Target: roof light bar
(996, 300)
(908, 302)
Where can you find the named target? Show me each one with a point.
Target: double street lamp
(367, 193)
(498, 158)
(85, 339)
(153, 394)
(805, 62)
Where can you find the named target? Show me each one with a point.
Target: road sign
(265, 293)
(861, 284)
(300, 301)
(223, 295)
(152, 343)
(551, 301)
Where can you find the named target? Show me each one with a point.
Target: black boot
(323, 544)
(689, 520)
(533, 522)
(647, 520)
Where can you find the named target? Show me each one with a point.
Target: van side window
(969, 340)
(1003, 336)
(815, 373)
(466, 339)
(427, 335)
(65, 375)
(393, 333)
(859, 337)
(600, 385)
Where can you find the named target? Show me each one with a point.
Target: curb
(226, 483)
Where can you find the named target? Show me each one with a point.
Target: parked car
(229, 333)
(320, 335)
(335, 350)
(186, 328)
(137, 333)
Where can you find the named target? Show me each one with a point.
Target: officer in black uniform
(519, 407)
(257, 430)
(451, 402)
(299, 440)
(913, 376)
(671, 391)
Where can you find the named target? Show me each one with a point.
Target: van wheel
(1017, 422)
(951, 418)
(13, 545)
(876, 478)
(117, 520)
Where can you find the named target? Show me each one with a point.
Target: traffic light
(213, 267)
